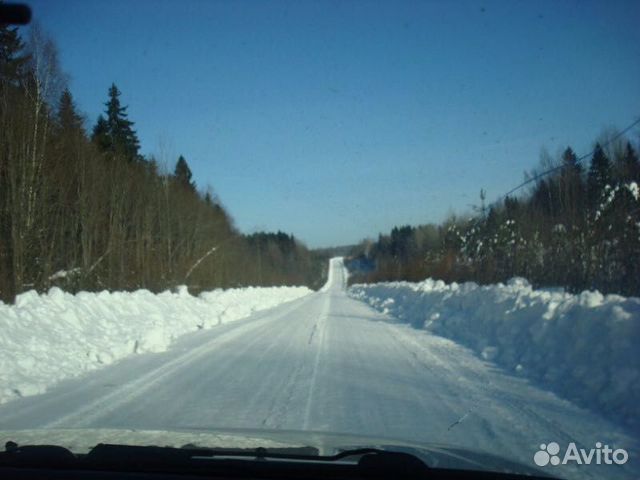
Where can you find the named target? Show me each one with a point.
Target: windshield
(338, 224)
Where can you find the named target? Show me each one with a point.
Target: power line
(579, 160)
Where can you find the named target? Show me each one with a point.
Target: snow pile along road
(51, 337)
(584, 347)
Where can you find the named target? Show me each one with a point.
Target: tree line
(576, 227)
(84, 210)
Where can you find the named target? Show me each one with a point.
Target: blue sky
(338, 120)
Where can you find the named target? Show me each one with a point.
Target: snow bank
(47, 338)
(584, 347)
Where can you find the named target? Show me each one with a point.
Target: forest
(575, 226)
(82, 209)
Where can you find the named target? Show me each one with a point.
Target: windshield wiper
(367, 462)
(37, 456)
(282, 463)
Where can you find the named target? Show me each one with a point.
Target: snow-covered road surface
(325, 362)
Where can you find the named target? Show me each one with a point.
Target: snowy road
(323, 362)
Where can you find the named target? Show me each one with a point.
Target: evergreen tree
(13, 62)
(68, 118)
(570, 161)
(100, 135)
(183, 174)
(115, 133)
(541, 198)
(124, 137)
(571, 187)
(631, 165)
(599, 176)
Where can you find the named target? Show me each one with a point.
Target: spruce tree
(631, 165)
(115, 133)
(13, 62)
(570, 161)
(183, 174)
(68, 118)
(572, 186)
(120, 127)
(599, 176)
(100, 135)
(68, 130)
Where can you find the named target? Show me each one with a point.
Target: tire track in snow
(322, 323)
(295, 395)
(280, 403)
(482, 392)
(132, 390)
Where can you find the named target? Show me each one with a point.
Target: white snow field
(48, 338)
(584, 347)
(326, 362)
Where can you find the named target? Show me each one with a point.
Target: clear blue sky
(338, 120)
